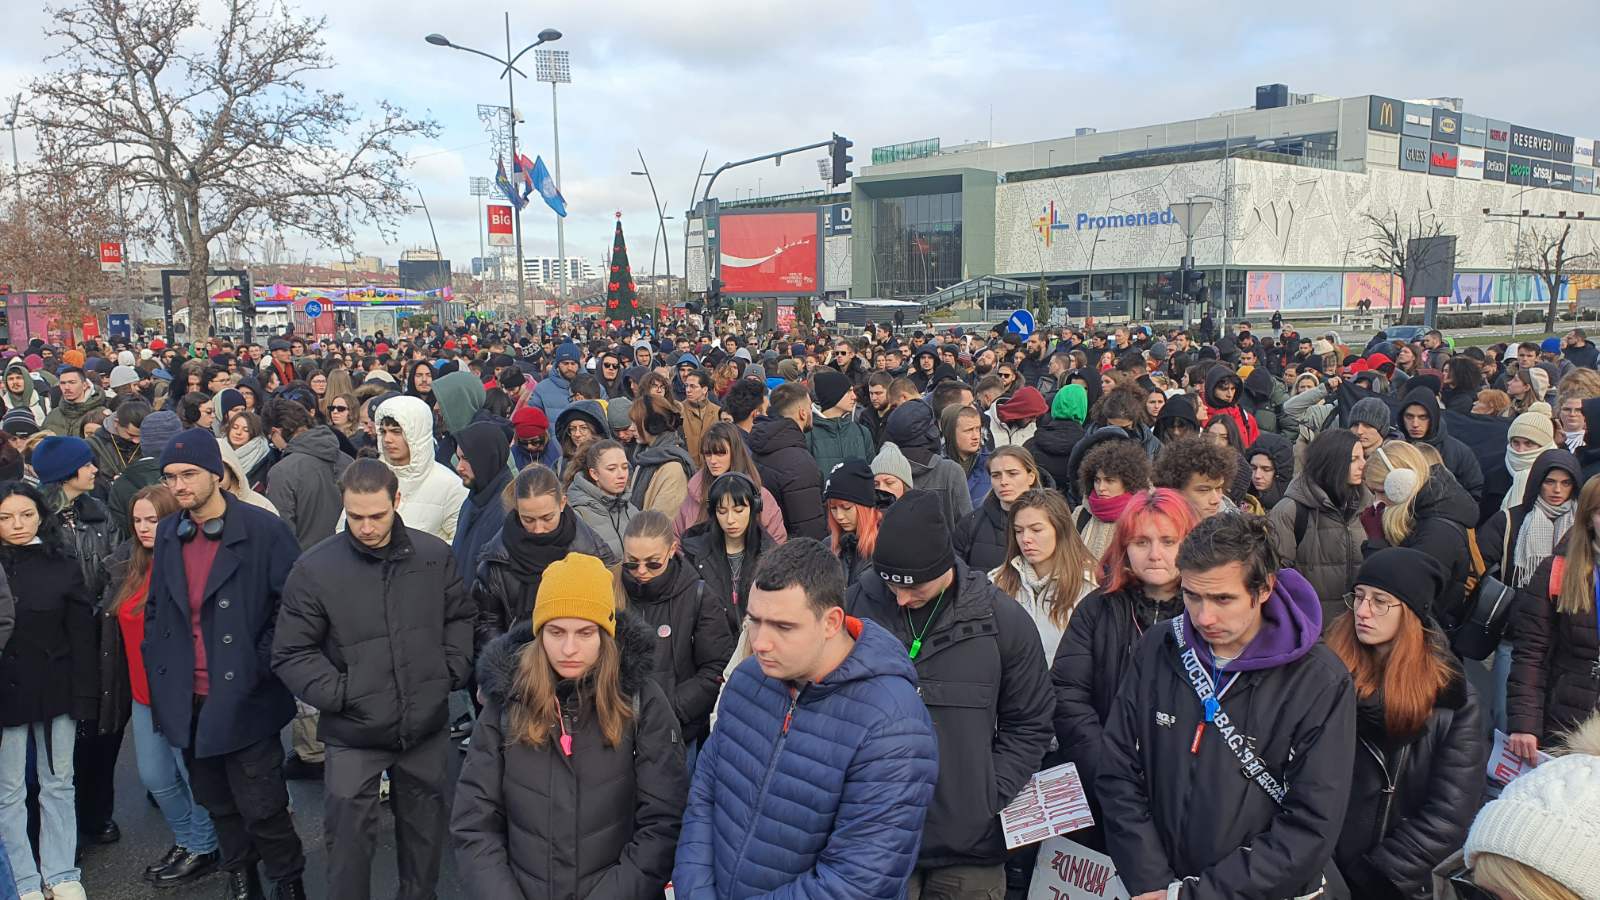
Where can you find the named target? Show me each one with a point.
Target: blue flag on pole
(546, 186)
(505, 185)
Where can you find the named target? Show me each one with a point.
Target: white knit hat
(1548, 819)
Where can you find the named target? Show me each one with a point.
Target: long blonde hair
(537, 710)
(1398, 518)
(1071, 566)
(1577, 574)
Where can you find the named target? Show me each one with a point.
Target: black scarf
(532, 553)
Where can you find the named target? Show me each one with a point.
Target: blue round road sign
(1020, 323)
(313, 308)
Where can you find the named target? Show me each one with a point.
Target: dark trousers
(94, 770)
(247, 798)
(350, 816)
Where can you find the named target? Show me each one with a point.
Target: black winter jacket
(1087, 671)
(1492, 535)
(48, 668)
(709, 558)
(1052, 444)
(116, 686)
(1443, 513)
(502, 599)
(1412, 797)
(693, 640)
(980, 538)
(93, 536)
(530, 823)
(1458, 458)
(1172, 812)
(981, 671)
(375, 639)
(788, 470)
(1552, 687)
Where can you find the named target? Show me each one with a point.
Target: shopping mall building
(1294, 182)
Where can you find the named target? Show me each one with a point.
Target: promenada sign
(1050, 221)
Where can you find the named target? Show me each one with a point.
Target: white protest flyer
(1070, 871)
(1505, 765)
(1050, 804)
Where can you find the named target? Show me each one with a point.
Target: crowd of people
(728, 613)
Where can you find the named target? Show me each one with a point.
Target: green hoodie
(460, 395)
(1071, 403)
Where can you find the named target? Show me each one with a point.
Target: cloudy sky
(739, 78)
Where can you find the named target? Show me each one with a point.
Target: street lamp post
(16, 165)
(510, 64)
(660, 217)
(553, 66)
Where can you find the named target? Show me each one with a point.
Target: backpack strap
(1302, 522)
(1083, 517)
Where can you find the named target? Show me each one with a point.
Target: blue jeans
(163, 774)
(58, 821)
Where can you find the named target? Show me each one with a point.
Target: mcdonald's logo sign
(1383, 114)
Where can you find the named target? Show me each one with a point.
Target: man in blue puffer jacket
(818, 775)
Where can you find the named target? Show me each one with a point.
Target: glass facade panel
(916, 244)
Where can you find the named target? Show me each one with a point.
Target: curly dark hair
(1190, 455)
(1121, 402)
(1123, 460)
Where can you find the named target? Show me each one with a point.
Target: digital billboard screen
(771, 253)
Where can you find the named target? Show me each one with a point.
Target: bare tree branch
(220, 128)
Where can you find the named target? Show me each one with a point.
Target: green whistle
(916, 647)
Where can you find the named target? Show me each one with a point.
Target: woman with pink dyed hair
(1138, 588)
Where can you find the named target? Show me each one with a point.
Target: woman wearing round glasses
(693, 635)
(1421, 745)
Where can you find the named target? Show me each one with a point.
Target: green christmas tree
(622, 300)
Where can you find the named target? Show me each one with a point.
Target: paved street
(115, 872)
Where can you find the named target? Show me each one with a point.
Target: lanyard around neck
(916, 638)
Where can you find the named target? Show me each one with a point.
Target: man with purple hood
(1229, 749)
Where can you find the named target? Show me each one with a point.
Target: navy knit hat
(19, 422)
(57, 459)
(195, 447)
(157, 430)
(567, 352)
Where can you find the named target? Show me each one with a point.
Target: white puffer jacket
(430, 493)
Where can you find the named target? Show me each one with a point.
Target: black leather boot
(243, 884)
(171, 856)
(186, 868)
(289, 889)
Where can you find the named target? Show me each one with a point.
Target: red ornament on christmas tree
(622, 300)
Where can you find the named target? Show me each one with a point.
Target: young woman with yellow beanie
(574, 782)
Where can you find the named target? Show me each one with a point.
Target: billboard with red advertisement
(500, 226)
(770, 253)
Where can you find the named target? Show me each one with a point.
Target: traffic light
(1194, 285)
(839, 152)
(1168, 286)
(714, 295)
